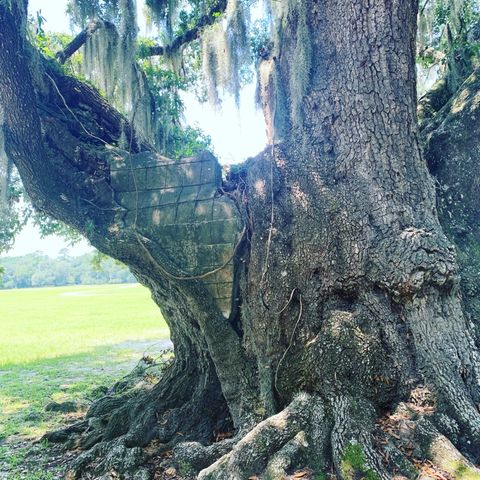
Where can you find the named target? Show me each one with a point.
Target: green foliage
(11, 223)
(172, 138)
(48, 226)
(447, 37)
(14, 212)
(187, 142)
(48, 43)
(18, 211)
(36, 270)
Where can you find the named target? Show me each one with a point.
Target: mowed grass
(36, 324)
(59, 344)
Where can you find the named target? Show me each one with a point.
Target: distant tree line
(38, 270)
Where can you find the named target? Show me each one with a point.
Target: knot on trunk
(407, 264)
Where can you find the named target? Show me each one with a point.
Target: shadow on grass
(25, 389)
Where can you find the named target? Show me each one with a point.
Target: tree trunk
(451, 142)
(316, 301)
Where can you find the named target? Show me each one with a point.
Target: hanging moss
(126, 51)
(443, 38)
(211, 40)
(110, 64)
(434, 16)
(291, 15)
(82, 11)
(162, 13)
(158, 7)
(100, 60)
(300, 69)
(226, 51)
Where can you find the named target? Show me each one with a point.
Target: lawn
(41, 323)
(66, 343)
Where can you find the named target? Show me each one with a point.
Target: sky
(237, 133)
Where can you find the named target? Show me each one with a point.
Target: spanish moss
(226, 51)
(162, 14)
(110, 62)
(302, 62)
(434, 16)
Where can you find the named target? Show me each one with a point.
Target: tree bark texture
(452, 151)
(306, 306)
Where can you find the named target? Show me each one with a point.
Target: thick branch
(81, 39)
(18, 115)
(192, 34)
(204, 21)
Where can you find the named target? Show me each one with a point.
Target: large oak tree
(314, 300)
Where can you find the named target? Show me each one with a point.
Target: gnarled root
(352, 441)
(274, 445)
(184, 405)
(442, 453)
(344, 432)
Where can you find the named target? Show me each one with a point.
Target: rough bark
(343, 284)
(452, 149)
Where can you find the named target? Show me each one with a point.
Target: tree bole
(342, 281)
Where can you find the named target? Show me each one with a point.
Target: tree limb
(205, 20)
(156, 50)
(63, 55)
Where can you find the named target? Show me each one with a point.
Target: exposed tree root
(352, 440)
(287, 457)
(183, 405)
(271, 445)
(198, 456)
(442, 453)
(311, 433)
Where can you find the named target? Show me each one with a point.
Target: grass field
(41, 323)
(60, 344)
